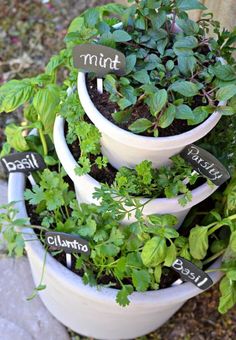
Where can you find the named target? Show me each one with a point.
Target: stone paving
(21, 319)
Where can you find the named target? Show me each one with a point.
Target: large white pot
(124, 148)
(91, 311)
(85, 185)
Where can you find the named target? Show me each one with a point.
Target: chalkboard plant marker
(25, 162)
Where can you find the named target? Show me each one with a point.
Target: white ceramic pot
(124, 148)
(85, 185)
(93, 311)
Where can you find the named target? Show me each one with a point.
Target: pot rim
(126, 137)
(182, 292)
(69, 164)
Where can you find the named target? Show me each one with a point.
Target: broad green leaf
(121, 36)
(231, 275)
(91, 17)
(171, 255)
(130, 63)
(158, 101)
(157, 273)
(226, 92)
(170, 65)
(15, 138)
(121, 116)
(184, 112)
(166, 220)
(232, 241)
(226, 110)
(140, 23)
(157, 18)
(189, 27)
(15, 93)
(141, 279)
(200, 114)
(140, 125)
(224, 72)
(185, 88)
(228, 295)
(110, 84)
(46, 103)
(187, 64)
(141, 76)
(198, 242)
(186, 5)
(167, 117)
(124, 103)
(184, 46)
(76, 25)
(154, 252)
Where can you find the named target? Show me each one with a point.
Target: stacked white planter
(92, 311)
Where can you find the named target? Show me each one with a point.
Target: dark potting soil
(139, 110)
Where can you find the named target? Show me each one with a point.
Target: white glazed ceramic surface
(124, 148)
(91, 311)
(85, 185)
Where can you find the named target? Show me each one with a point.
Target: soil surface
(30, 32)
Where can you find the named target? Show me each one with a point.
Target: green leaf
(110, 84)
(15, 138)
(122, 295)
(189, 27)
(157, 273)
(187, 64)
(185, 5)
(185, 88)
(170, 255)
(226, 110)
(15, 93)
(200, 114)
(140, 125)
(124, 103)
(224, 72)
(167, 117)
(91, 17)
(76, 25)
(170, 65)
(141, 76)
(158, 101)
(130, 63)
(46, 103)
(232, 241)
(154, 252)
(228, 295)
(198, 242)
(121, 36)
(141, 279)
(184, 46)
(226, 92)
(184, 112)
(121, 116)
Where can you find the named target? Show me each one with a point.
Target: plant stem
(43, 141)
(213, 257)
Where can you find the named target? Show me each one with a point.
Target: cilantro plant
(132, 257)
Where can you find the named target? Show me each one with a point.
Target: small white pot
(93, 311)
(124, 148)
(85, 185)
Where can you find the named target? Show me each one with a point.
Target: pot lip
(119, 134)
(69, 164)
(171, 295)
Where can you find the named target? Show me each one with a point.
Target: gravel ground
(31, 32)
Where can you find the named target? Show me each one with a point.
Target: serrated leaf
(228, 295)
(140, 125)
(167, 117)
(15, 138)
(224, 72)
(122, 295)
(226, 92)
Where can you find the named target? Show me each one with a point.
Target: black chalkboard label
(67, 242)
(189, 272)
(99, 59)
(205, 164)
(25, 162)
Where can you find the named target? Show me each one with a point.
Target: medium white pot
(124, 148)
(85, 185)
(93, 311)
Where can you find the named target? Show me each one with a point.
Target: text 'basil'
(99, 59)
(25, 162)
(205, 164)
(191, 273)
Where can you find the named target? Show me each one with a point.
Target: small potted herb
(175, 86)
